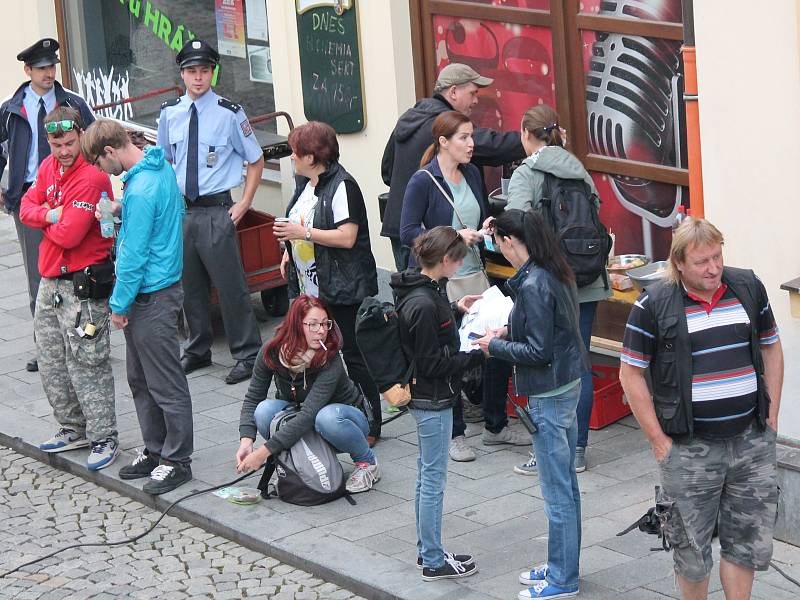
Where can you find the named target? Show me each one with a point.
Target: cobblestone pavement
(42, 509)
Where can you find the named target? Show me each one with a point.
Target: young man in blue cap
(208, 138)
(22, 128)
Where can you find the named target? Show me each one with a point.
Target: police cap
(41, 54)
(197, 52)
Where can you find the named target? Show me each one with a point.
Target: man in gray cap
(456, 88)
(22, 133)
(208, 138)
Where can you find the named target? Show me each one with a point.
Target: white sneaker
(103, 454)
(506, 436)
(65, 439)
(363, 477)
(460, 451)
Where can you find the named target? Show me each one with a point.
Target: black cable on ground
(135, 538)
(778, 569)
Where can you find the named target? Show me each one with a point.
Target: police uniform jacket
(15, 134)
(225, 139)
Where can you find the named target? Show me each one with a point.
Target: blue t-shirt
(470, 211)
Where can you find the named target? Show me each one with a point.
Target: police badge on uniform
(246, 128)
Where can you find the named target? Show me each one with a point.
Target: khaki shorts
(735, 478)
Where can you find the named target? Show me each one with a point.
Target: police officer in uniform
(208, 138)
(22, 131)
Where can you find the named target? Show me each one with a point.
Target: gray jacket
(311, 391)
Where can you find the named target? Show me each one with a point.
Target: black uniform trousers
(211, 256)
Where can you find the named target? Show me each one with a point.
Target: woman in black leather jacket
(543, 342)
(429, 338)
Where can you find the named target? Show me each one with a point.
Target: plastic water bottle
(680, 217)
(106, 216)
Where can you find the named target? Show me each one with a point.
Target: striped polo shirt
(724, 383)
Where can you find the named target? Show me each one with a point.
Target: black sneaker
(141, 466)
(451, 569)
(462, 558)
(166, 477)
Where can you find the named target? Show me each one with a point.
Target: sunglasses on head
(452, 244)
(65, 125)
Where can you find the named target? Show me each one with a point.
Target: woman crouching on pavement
(430, 339)
(543, 342)
(303, 360)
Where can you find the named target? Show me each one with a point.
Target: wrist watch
(308, 234)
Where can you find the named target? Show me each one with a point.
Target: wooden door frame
(566, 25)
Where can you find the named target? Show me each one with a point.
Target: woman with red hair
(304, 362)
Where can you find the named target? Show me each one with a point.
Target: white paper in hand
(489, 312)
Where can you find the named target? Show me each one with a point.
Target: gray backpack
(309, 473)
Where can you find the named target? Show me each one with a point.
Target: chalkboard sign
(330, 63)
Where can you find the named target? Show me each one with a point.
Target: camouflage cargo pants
(735, 478)
(76, 371)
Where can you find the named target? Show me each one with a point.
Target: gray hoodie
(525, 193)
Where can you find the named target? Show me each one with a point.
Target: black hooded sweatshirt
(412, 136)
(429, 336)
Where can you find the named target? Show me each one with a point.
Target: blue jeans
(344, 427)
(433, 434)
(555, 457)
(588, 310)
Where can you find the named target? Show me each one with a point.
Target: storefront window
(122, 49)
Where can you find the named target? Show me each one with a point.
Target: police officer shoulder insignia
(172, 102)
(246, 128)
(231, 106)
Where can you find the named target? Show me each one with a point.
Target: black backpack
(309, 473)
(378, 339)
(568, 205)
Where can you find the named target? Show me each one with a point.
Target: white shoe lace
(531, 461)
(161, 472)
(362, 473)
(140, 457)
(539, 586)
(457, 566)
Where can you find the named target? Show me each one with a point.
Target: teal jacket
(525, 193)
(150, 241)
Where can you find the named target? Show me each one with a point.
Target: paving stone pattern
(42, 508)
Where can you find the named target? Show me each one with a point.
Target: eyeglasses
(314, 327)
(65, 125)
(96, 159)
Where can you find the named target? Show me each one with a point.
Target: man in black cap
(22, 128)
(208, 138)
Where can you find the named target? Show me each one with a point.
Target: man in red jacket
(72, 316)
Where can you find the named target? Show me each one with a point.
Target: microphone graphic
(633, 99)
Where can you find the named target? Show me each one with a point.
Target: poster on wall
(260, 63)
(632, 113)
(230, 28)
(256, 12)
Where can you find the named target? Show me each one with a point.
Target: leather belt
(220, 199)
